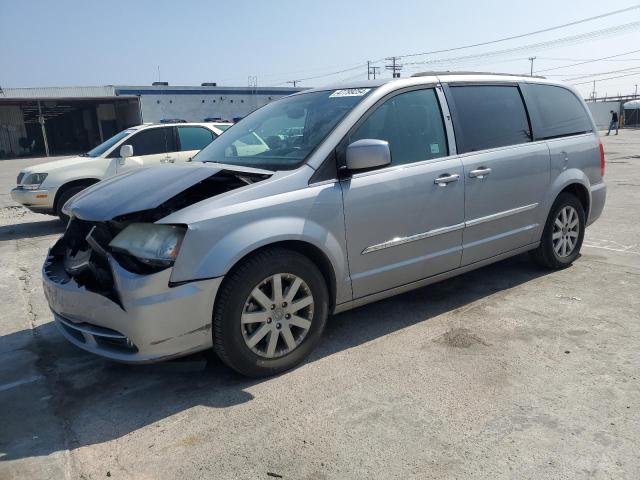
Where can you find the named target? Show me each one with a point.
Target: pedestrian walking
(614, 122)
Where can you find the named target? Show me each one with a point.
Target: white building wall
(195, 108)
(600, 112)
(197, 103)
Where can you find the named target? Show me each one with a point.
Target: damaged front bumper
(145, 320)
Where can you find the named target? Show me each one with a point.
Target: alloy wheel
(566, 230)
(277, 315)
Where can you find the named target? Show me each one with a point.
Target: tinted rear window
(558, 110)
(488, 116)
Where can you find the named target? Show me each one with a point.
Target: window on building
(412, 124)
(194, 138)
(489, 116)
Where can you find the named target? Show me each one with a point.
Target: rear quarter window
(557, 111)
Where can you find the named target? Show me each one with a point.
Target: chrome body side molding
(452, 228)
(413, 238)
(496, 216)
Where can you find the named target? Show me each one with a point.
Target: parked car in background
(220, 125)
(173, 120)
(219, 122)
(45, 188)
(389, 186)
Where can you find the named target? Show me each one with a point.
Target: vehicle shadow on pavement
(76, 399)
(39, 228)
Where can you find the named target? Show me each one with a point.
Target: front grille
(80, 254)
(20, 177)
(104, 337)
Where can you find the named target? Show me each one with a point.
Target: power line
(589, 61)
(608, 78)
(601, 73)
(535, 46)
(541, 45)
(557, 27)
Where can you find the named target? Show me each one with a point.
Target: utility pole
(395, 67)
(44, 131)
(294, 82)
(531, 59)
(593, 93)
(371, 71)
(635, 95)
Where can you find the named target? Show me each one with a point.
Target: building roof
(133, 90)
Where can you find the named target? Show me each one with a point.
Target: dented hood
(143, 189)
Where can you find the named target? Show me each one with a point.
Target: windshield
(282, 134)
(104, 146)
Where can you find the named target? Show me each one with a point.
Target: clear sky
(69, 42)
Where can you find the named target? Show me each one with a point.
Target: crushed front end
(110, 304)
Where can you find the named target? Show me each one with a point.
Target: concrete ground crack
(25, 282)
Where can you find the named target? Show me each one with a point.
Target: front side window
(282, 134)
(152, 141)
(559, 111)
(489, 116)
(412, 124)
(194, 138)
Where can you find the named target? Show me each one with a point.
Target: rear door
(505, 173)
(150, 147)
(191, 139)
(404, 222)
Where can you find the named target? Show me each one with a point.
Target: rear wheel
(270, 313)
(563, 233)
(63, 198)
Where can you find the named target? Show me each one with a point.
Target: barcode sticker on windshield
(350, 92)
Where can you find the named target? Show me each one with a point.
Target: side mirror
(126, 151)
(368, 153)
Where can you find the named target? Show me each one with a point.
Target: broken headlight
(152, 244)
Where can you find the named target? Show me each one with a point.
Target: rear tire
(563, 233)
(259, 326)
(63, 198)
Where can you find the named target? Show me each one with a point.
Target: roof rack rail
(462, 72)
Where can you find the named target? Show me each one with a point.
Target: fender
(562, 181)
(211, 247)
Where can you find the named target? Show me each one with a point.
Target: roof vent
(209, 84)
(160, 84)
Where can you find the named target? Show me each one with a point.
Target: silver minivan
(321, 202)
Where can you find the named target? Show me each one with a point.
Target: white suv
(45, 188)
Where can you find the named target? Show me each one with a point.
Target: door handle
(480, 172)
(446, 178)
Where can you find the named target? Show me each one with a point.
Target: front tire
(270, 313)
(64, 197)
(563, 233)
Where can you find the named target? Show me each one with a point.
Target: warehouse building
(65, 120)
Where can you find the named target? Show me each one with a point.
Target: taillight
(601, 159)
